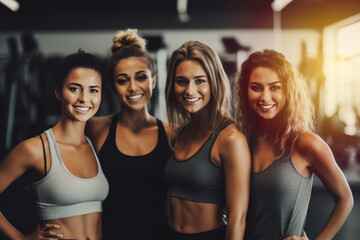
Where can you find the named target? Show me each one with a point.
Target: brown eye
(182, 82)
(121, 81)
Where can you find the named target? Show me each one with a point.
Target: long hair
(219, 85)
(128, 44)
(296, 117)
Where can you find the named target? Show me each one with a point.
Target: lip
(82, 109)
(265, 107)
(135, 97)
(191, 100)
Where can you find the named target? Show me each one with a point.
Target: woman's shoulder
(310, 144)
(231, 135)
(100, 120)
(98, 124)
(28, 151)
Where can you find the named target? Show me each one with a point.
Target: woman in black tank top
(276, 115)
(209, 171)
(132, 147)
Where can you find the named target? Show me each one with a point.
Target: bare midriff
(83, 227)
(195, 217)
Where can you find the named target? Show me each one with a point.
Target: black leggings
(215, 234)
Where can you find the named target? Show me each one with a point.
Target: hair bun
(128, 38)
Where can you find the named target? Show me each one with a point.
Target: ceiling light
(12, 4)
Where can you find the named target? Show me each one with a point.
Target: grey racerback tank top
(61, 194)
(279, 199)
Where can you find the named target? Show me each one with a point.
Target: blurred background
(320, 37)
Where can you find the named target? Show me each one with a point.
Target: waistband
(214, 234)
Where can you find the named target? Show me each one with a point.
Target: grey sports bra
(61, 194)
(197, 178)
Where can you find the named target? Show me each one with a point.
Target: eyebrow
(199, 76)
(273, 83)
(125, 75)
(79, 85)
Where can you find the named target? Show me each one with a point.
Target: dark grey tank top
(279, 199)
(197, 178)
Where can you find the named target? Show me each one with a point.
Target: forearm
(337, 218)
(9, 230)
(235, 228)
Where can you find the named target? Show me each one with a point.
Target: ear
(57, 94)
(154, 81)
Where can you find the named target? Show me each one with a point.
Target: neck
(201, 121)
(135, 119)
(68, 131)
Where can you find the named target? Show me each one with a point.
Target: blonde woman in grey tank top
(62, 162)
(276, 115)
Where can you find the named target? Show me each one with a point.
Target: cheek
(252, 97)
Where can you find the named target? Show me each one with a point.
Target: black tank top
(136, 205)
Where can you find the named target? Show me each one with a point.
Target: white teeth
(191, 99)
(135, 97)
(82, 108)
(266, 106)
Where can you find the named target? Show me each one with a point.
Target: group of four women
(219, 182)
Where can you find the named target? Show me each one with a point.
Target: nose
(132, 86)
(84, 96)
(191, 88)
(266, 95)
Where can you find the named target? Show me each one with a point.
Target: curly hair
(296, 117)
(128, 44)
(218, 80)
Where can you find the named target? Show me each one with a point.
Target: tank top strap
(161, 130)
(54, 158)
(162, 137)
(112, 130)
(217, 131)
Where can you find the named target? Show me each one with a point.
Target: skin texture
(230, 151)
(310, 155)
(80, 98)
(132, 78)
(266, 94)
(193, 93)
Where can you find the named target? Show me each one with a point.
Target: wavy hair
(296, 117)
(218, 80)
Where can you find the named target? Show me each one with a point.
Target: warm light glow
(12, 4)
(342, 71)
(348, 39)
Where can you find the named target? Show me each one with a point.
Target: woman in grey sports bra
(61, 162)
(276, 115)
(210, 168)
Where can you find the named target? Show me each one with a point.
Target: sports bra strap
(42, 142)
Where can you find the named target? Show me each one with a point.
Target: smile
(191, 100)
(266, 106)
(135, 97)
(82, 108)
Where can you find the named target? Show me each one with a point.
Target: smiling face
(266, 93)
(80, 95)
(192, 87)
(133, 83)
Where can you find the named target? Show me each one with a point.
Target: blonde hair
(218, 80)
(128, 38)
(298, 113)
(128, 44)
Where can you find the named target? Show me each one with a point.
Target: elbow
(346, 202)
(237, 221)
